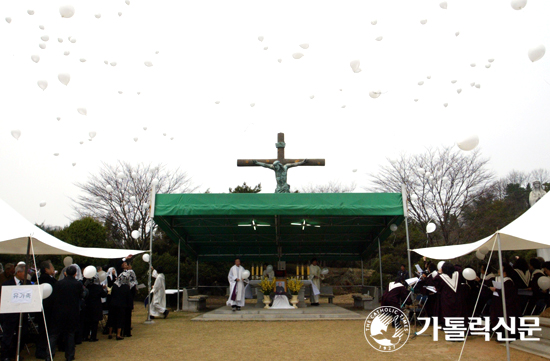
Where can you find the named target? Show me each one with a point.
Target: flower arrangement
(267, 286)
(295, 285)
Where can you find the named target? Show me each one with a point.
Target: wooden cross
(280, 145)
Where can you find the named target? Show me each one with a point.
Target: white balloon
(120, 175)
(379, 38)
(343, 106)
(374, 22)
(414, 197)
(459, 90)
(457, 33)
(245, 274)
(92, 134)
(490, 60)
(487, 66)
(544, 283)
(35, 58)
(146, 258)
(66, 53)
(375, 94)
(440, 264)
(421, 82)
(251, 105)
(45, 37)
(445, 179)
(472, 84)
(60, 40)
(469, 274)
(355, 66)
(260, 38)
(280, 60)
(119, 13)
(82, 60)
(134, 175)
(473, 65)
(354, 170)
(468, 143)
(423, 22)
(42, 46)
(97, 16)
(297, 55)
(155, 182)
(82, 111)
(132, 199)
(266, 47)
(8, 20)
(67, 261)
(156, 52)
(483, 250)
(46, 289)
(89, 272)
(30, 12)
(73, 164)
(478, 86)
(415, 100)
(109, 188)
(16, 133)
(66, 11)
(120, 91)
(428, 174)
(430, 227)
(479, 255)
(64, 78)
(172, 138)
(393, 227)
(113, 63)
(148, 64)
(127, 2)
(144, 128)
(304, 46)
(429, 77)
(81, 142)
(42, 204)
(56, 154)
(536, 53)
(445, 104)
(135, 234)
(102, 275)
(518, 4)
(421, 171)
(42, 84)
(443, 5)
(324, 271)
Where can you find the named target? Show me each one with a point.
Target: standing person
(8, 273)
(158, 303)
(537, 300)
(109, 282)
(93, 313)
(315, 278)
(402, 273)
(236, 286)
(133, 291)
(47, 273)
(395, 296)
(67, 295)
(451, 300)
(10, 321)
(120, 294)
(513, 309)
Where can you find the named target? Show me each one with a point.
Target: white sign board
(17, 299)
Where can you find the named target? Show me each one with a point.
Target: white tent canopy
(526, 232)
(15, 231)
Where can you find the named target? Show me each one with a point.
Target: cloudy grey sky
(209, 51)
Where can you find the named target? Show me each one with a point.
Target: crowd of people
(445, 293)
(72, 313)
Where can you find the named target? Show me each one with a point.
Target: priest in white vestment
(158, 303)
(315, 278)
(236, 286)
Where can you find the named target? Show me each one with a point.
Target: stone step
(539, 348)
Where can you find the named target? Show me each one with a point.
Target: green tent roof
(291, 226)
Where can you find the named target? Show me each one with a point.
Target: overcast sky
(209, 51)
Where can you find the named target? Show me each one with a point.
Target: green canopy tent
(286, 227)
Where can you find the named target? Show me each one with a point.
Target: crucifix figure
(280, 165)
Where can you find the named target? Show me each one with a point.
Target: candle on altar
(307, 271)
(298, 270)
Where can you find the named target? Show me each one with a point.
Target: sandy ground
(179, 338)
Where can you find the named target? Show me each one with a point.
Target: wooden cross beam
(280, 145)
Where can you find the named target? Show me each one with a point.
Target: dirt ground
(179, 338)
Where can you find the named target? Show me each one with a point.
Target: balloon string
(40, 293)
(477, 300)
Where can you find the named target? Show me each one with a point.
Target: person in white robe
(158, 303)
(269, 273)
(315, 277)
(236, 286)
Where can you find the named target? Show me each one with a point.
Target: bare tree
(330, 187)
(119, 196)
(439, 184)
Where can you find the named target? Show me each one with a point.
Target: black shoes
(238, 308)
(166, 313)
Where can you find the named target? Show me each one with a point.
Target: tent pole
(406, 214)
(152, 214)
(503, 298)
(380, 262)
(179, 254)
(21, 314)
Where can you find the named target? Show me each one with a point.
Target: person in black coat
(67, 295)
(10, 321)
(93, 313)
(47, 272)
(120, 299)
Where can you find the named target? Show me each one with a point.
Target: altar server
(158, 305)
(315, 278)
(236, 286)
